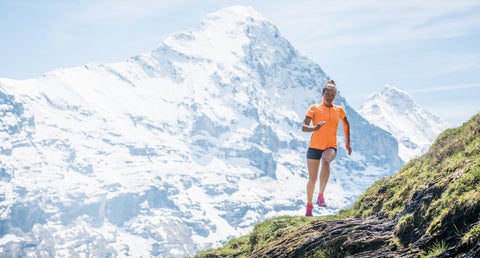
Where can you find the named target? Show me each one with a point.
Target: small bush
(437, 248)
(405, 224)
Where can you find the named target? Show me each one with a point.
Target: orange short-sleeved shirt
(326, 136)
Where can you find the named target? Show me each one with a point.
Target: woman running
(323, 144)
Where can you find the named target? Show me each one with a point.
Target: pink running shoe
(321, 201)
(308, 213)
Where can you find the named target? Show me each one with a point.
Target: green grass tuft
(473, 235)
(437, 248)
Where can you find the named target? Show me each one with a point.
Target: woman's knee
(312, 179)
(326, 162)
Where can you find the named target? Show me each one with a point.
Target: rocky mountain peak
(227, 36)
(232, 18)
(392, 96)
(413, 126)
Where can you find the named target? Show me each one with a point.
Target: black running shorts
(316, 153)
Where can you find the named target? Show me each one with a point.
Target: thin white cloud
(350, 23)
(458, 115)
(98, 19)
(120, 10)
(112, 14)
(447, 88)
(459, 65)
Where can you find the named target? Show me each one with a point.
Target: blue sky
(430, 48)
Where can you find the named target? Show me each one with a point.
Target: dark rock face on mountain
(431, 207)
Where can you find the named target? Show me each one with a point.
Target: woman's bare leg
(327, 157)
(313, 166)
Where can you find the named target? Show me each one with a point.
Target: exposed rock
(370, 237)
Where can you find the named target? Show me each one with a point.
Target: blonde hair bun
(330, 84)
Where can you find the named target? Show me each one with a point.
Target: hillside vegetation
(431, 207)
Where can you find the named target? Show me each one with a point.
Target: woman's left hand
(349, 149)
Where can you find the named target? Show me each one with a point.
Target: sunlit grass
(437, 248)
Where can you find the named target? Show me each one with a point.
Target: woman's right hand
(317, 127)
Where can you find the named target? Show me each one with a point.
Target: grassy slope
(433, 209)
(428, 199)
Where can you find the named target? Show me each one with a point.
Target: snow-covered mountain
(396, 112)
(173, 151)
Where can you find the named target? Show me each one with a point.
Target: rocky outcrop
(370, 237)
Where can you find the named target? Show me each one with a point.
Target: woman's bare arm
(306, 127)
